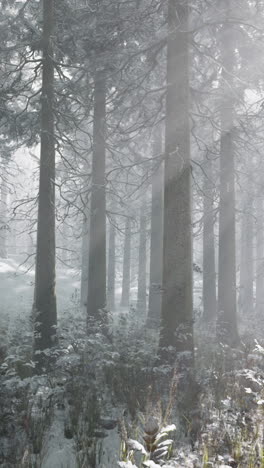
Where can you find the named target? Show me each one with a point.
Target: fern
(156, 449)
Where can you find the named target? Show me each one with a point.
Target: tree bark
(209, 268)
(96, 300)
(125, 298)
(111, 273)
(177, 304)
(156, 239)
(142, 262)
(45, 311)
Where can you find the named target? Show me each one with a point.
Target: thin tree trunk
(3, 217)
(13, 248)
(13, 229)
(246, 264)
(85, 260)
(209, 268)
(65, 254)
(45, 311)
(96, 300)
(111, 273)
(177, 304)
(156, 240)
(227, 313)
(125, 298)
(259, 254)
(142, 262)
(30, 244)
(85, 235)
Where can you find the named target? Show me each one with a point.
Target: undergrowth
(112, 381)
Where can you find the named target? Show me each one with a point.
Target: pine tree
(209, 268)
(96, 301)
(111, 271)
(177, 305)
(156, 239)
(125, 298)
(227, 313)
(142, 261)
(45, 312)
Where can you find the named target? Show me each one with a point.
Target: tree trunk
(125, 298)
(45, 311)
(31, 247)
(156, 239)
(65, 253)
(177, 304)
(96, 300)
(227, 313)
(259, 254)
(209, 269)
(246, 263)
(3, 217)
(85, 260)
(142, 263)
(111, 268)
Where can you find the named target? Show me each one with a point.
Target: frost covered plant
(258, 348)
(155, 449)
(233, 432)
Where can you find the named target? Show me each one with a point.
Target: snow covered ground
(17, 288)
(59, 452)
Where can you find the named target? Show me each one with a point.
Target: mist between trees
(131, 233)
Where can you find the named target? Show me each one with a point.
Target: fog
(131, 233)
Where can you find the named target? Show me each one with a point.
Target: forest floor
(73, 416)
